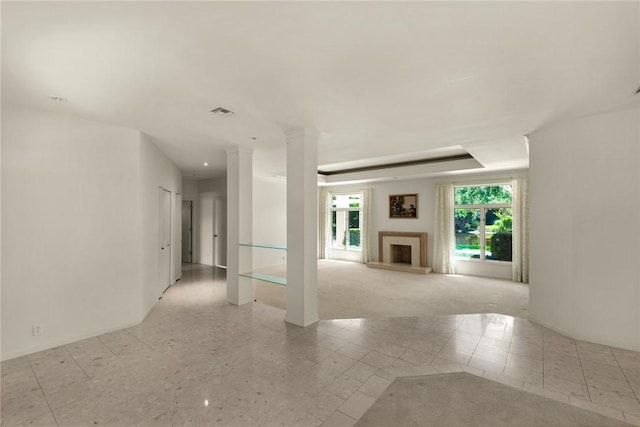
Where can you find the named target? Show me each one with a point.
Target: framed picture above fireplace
(403, 206)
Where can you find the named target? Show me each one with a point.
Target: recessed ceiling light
(206, 164)
(222, 112)
(58, 99)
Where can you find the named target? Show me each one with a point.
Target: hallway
(197, 360)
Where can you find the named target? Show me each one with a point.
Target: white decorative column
(302, 227)
(239, 224)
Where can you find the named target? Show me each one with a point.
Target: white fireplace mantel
(418, 243)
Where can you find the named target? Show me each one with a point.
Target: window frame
(349, 209)
(482, 228)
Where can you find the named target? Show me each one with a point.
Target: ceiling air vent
(222, 112)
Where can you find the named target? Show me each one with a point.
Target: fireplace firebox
(401, 253)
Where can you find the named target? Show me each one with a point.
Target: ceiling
(380, 81)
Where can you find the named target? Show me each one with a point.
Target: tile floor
(462, 399)
(196, 360)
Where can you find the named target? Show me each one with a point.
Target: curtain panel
(444, 243)
(520, 202)
(365, 231)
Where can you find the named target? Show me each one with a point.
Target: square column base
(302, 324)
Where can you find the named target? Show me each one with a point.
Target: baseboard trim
(64, 341)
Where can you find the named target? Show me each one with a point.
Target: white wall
(585, 200)
(216, 188)
(156, 170)
(269, 220)
(380, 211)
(80, 219)
(189, 188)
(493, 269)
(1, 275)
(71, 240)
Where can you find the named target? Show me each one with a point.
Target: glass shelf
(261, 276)
(264, 245)
(265, 278)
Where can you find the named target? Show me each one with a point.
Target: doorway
(187, 231)
(211, 232)
(346, 216)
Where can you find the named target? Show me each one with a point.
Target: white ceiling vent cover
(222, 112)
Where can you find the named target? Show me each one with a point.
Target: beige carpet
(351, 290)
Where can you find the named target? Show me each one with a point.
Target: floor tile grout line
(43, 393)
(142, 342)
(542, 345)
(448, 339)
(478, 343)
(350, 417)
(509, 352)
(106, 346)
(625, 375)
(78, 364)
(584, 376)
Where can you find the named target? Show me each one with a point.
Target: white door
(206, 232)
(215, 231)
(220, 233)
(165, 240)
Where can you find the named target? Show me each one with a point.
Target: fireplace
(402, 251)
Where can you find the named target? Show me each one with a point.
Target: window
(483, 222)
(346, 217)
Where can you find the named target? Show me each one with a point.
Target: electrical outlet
(36, 330)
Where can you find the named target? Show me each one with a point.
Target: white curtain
(323, 222)
(520, 201)
(365, 227)
(444, 242)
